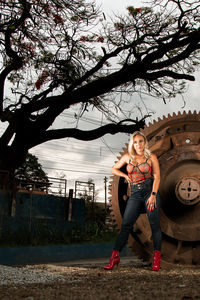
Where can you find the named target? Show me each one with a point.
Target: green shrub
(41, 234)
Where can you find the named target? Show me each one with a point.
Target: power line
(103, 140)
(76, 145)
(91, 120)
(74, 162)
(96, 151)
(77, 171)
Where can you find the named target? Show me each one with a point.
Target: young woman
(143, 178)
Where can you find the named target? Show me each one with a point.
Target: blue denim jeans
(137, 201)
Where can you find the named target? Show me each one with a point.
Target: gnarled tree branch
(88, 135)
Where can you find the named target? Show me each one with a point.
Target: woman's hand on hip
(128, 180)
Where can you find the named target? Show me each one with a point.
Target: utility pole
(105, 182)
(70, 205)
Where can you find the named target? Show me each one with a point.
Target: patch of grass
(42, 234)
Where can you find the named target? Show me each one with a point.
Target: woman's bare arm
(119, 164)
(151, 202)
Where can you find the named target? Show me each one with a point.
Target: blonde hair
(131, 149)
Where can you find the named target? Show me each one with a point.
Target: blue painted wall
(38, 210)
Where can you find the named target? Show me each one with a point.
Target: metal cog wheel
(176, 142)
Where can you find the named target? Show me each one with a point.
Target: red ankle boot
(114, 260)
(156, 260)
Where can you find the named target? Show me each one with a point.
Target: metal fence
(55, 186)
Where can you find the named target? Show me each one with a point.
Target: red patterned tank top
(139, 173)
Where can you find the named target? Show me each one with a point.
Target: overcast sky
(76, 160)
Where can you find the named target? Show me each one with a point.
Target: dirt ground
(128, 281)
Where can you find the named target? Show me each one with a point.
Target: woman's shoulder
(126, 157)
(153, 157)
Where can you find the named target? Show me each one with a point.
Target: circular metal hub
(188, 191)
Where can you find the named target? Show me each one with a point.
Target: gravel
(25, 275)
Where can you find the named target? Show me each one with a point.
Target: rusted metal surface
(176, 142)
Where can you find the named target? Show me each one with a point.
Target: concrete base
(60, 253)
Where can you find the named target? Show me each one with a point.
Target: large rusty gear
(176, 142)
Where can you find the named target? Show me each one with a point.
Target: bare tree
(54, 54)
